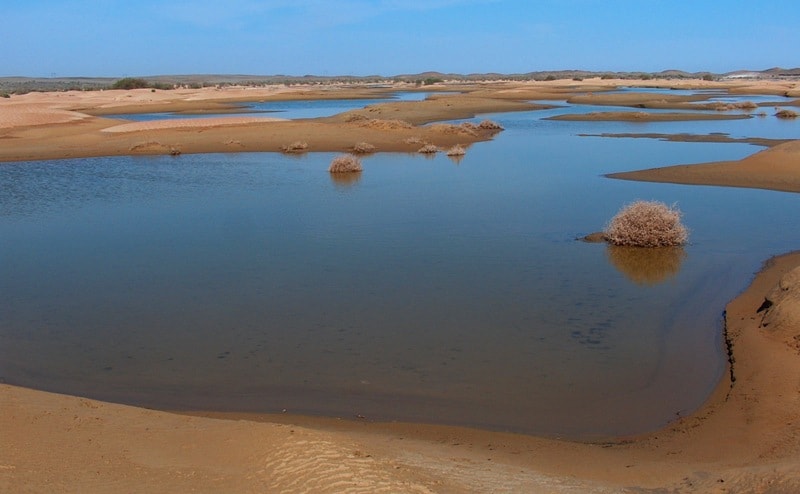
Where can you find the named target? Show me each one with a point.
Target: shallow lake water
(292, 110)
(423, 290)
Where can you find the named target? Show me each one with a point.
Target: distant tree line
(137, 83)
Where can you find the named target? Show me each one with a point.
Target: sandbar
(641, 116)
(775, 168)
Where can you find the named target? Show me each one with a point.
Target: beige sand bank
(776, 168)
(682, 137)
(746, 439)
(59, 125)
(71, 124)
(641, 116)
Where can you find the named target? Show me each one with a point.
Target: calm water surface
(426, 289)
(292, 110)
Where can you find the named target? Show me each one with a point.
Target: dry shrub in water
(489, 125)
(295, 147)
(456, 150)
(647, 224)
(428, 149)
(786, 114)
(346, 163)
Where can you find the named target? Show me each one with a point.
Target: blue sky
(115, 38)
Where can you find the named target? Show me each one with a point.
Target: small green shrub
(346, 163)
(130, 83)
(5, 95)
(647, 224)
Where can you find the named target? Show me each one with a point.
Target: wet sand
(745, 439)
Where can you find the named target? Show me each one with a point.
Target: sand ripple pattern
(320, 466)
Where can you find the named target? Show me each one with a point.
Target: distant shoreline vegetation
(22, 85)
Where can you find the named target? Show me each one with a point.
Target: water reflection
(646, 266)
(345, 180)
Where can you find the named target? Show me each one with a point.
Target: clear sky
(115, 38)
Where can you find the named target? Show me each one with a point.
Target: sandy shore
(745, 439)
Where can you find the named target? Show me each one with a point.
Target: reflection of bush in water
(345, 179)
(646, 266)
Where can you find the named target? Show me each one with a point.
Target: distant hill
(11, 85)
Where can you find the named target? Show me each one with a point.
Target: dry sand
(745, 439)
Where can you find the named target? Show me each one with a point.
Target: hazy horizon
(51, 38)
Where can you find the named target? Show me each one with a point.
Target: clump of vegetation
(786, 114)
(489, 125)
(346, 163)
(431, 80)
(428, 149)
(363, 148)
(295, 147)
(456, 150)
(647, 224)
(130, 83)
(5, 95)
(469, 126)
(414, 140)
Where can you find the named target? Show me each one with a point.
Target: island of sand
(745, 439)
